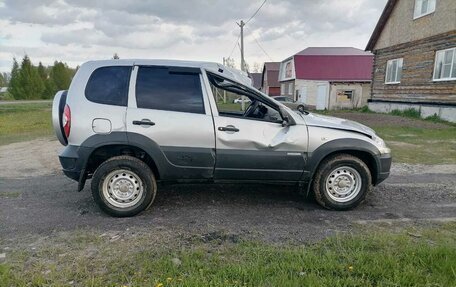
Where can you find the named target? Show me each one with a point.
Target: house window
(345, 95)
(282, 89)
(423, 7)
(445, 65)
(290, 89)
(393, 71)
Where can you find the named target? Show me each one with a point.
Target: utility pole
(224, 92)
(242, 24)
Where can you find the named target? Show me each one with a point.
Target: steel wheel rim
(122, 188)
(343, 184)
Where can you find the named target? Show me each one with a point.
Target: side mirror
(285, 121)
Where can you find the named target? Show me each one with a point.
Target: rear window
(109, 85)
(163, 88)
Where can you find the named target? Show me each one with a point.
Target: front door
(303, 95)
(321, 97)
(253, 145)
(167, 106)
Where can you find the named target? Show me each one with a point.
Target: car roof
(224, 71)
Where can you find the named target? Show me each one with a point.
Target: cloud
(194, 29)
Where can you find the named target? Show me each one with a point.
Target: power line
(261, 47)
(255, 12)
(235, 44)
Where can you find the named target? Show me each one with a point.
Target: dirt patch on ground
(32, 158)
(374, 120)
(38, 200)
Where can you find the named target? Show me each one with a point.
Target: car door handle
(228, 129)
(144, 122)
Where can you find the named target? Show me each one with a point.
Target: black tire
(138, 169)
(327, 175)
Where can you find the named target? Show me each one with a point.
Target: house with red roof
(270, 79)
(327, 77)
(256, 80)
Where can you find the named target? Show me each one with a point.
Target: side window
(423, 7)
(109, 85)
(160, 88)
(228, 97)
(393, 71)
(445, 65)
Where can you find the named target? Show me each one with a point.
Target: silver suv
(130, 124)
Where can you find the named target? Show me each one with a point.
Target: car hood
(337, 123)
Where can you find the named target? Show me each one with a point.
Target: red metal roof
(272, 66)
(272, 70)
(333, 51)
(256, 79)
(333, 64)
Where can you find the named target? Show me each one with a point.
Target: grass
(10, 194)
(20, 122)
(371, 258)
(410, 113)
(421, 145)
(412, 140)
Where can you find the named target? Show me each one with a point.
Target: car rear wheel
(123, 186)
(342, 182)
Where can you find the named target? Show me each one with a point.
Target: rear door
(170, 108)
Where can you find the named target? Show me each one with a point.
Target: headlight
(381, 145)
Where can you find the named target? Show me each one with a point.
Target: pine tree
(32, 84)
(15, 88)
(2, 80)
(42, 72)
(61, 75)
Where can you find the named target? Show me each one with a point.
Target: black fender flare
(125, 138)
(339, 146)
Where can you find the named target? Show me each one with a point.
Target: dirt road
(36, 199)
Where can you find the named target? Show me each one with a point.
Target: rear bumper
(384, 166)
(73, 160)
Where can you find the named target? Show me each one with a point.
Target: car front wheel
(123, 186)
(342, 182)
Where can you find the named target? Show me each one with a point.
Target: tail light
(66, 120)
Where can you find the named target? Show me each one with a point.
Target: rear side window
(161, 88)
(109, 85)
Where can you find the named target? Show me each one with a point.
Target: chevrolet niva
(130, 124)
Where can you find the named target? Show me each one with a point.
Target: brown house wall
(418, 67)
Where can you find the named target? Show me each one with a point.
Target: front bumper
(384, 166)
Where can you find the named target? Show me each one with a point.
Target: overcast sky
(75, 31)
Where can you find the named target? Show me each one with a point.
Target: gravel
(47, 204)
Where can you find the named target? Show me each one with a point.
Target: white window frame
(452, 68)
(430, 8)
(290, 89)
(282, 89)
(389, 64)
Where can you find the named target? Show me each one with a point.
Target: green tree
(42, 72)
(2, 80)
(61, 75)
(32, 84)
(15, 88)
(49, 89)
